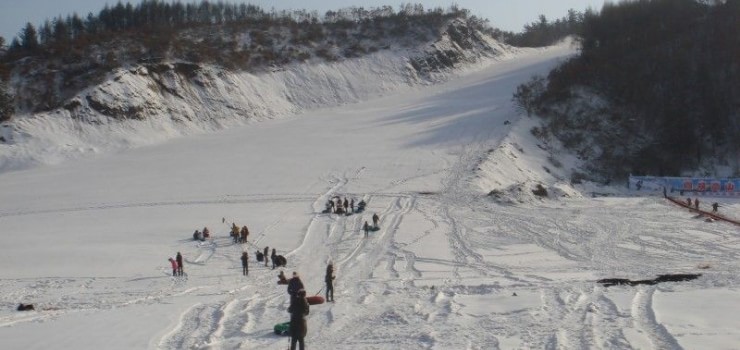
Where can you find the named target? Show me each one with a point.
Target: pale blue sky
(504, 14)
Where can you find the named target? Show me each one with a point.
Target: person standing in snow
(376, 218)
(715, 205)
(352, 205)
(245, 264)
(366, 228)
(696, 203)
(346, 205)
(245, 234)
(688, 202)
(298, 309)
(267, 250)
(329, 279)
(295, 284)
(273, 256)
(178, 258)
(235, 232)
(174, 266)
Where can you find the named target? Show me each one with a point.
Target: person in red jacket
(174, 266)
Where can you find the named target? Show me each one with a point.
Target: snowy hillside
(451, 267)
(149, 103)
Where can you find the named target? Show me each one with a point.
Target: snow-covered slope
(150, 103)
(450, 268)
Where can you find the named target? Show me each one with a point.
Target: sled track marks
(644, 318)
(226, 324)
(194, 327)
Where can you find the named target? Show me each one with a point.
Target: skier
(267, 249)
(298, 327)
(366, 228)
(376, 218)
(295, 284)
(329, 279)
(245, 264)
(174, 266)
(178, 258)
(715, 205)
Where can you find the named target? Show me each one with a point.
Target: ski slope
(87, 240)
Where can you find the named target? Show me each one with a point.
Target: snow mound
(525, 169)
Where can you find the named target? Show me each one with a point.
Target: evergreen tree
(29, 38)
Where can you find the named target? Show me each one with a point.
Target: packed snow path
(88, 240)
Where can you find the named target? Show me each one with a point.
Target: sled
(315, 300)
(282, 328)
(282, 282)
(374, 228)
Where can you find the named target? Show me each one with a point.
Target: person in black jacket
(267, 250)
(178, 258)
(298, 327)
(329, 279)
(245, 264)
(295, 284)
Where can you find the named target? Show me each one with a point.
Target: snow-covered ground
(87, 240)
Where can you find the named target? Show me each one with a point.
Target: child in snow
(174, 266)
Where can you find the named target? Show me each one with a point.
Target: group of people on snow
(176, 263)
(299, 305)
(338, 206)
(239, 235)
(715, 205)
(366, 227)
(262, 255)
(201, 236)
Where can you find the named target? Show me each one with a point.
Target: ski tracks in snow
(646, 320)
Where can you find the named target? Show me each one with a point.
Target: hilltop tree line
(670, 73)
(155, 22)
(545, 32)
(66, 54)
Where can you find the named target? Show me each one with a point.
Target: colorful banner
(703, 186)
